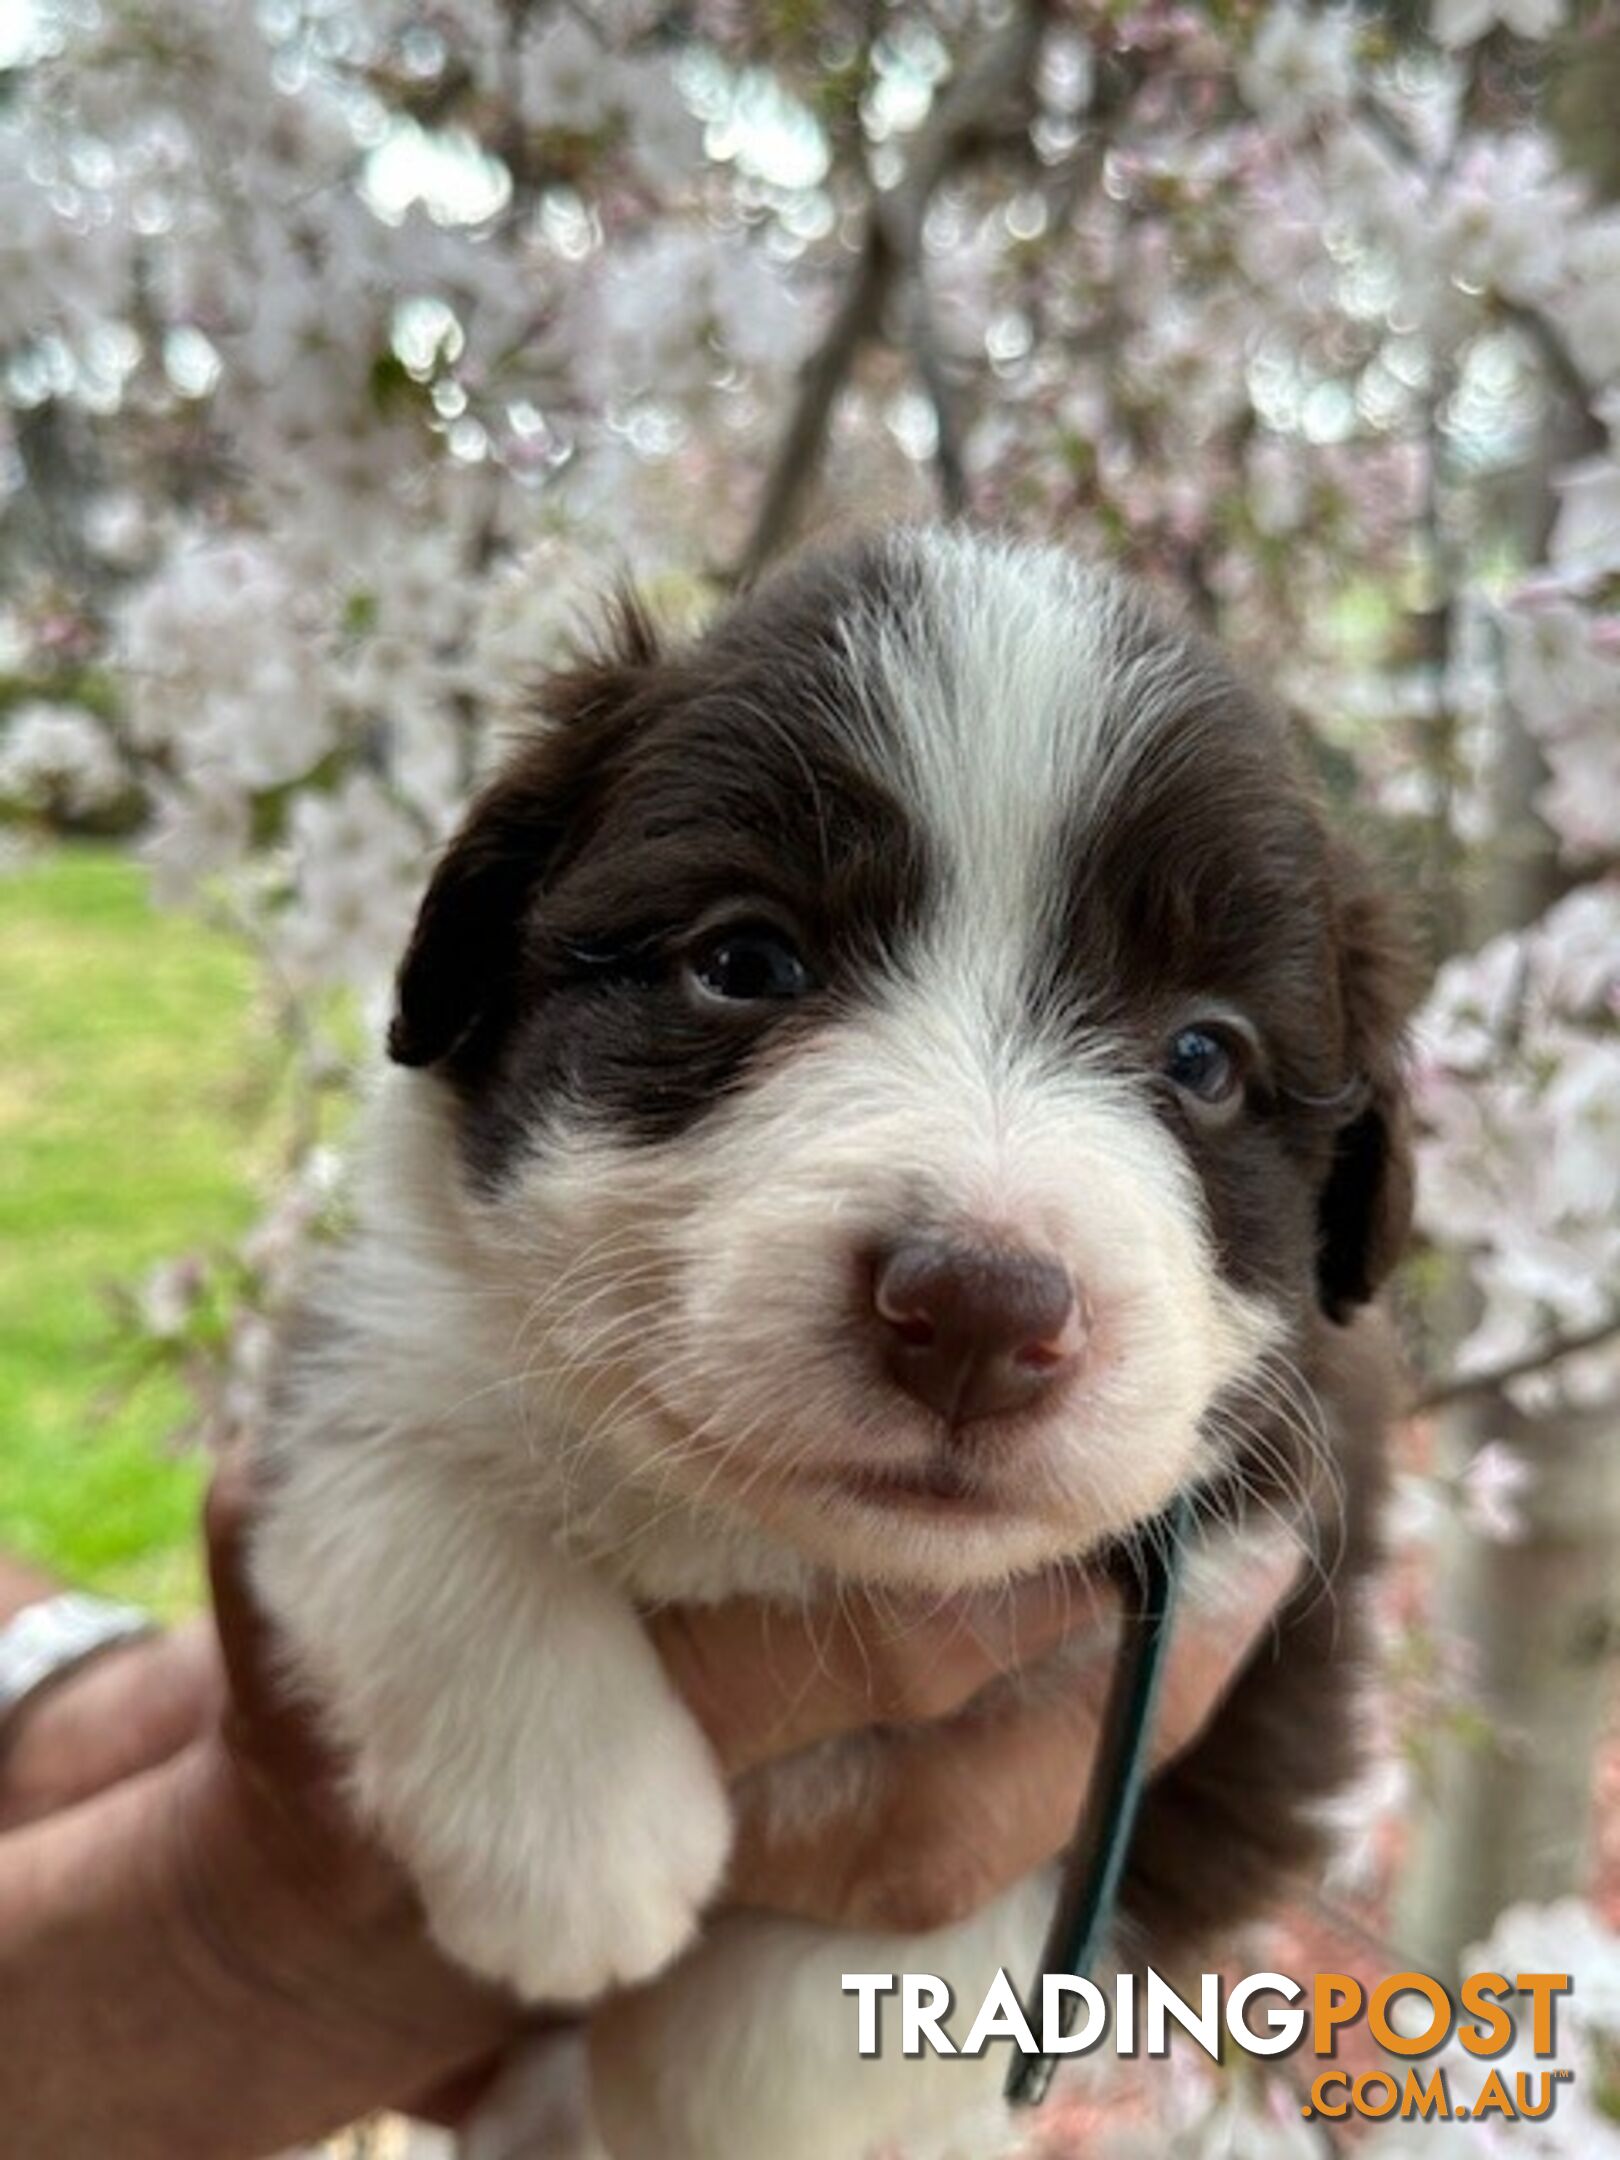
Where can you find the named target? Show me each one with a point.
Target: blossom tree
(348, 346)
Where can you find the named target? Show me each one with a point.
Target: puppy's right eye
(749, 964)
(1200, 1064)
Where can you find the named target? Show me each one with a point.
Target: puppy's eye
(749, 964)
(1204, 1064)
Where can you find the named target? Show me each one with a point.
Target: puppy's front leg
(510, 1730)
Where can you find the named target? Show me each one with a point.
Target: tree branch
(1530, 321)
(1463, 1387)
(932, 371)
(970, 118)
(825, 372)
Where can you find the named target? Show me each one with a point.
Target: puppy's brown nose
(971, 1331)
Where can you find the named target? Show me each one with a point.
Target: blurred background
(349, 347)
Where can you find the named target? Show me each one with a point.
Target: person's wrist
(271, 1904)
(288, 1860)
(251, 1910)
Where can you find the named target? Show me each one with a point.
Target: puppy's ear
(457, 982)
(1365, 1211)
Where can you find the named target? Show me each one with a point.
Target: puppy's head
(922, 1055)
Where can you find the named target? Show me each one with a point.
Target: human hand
(130, 1707)
(299, 1898)
(300, 1901)
(973, 1783)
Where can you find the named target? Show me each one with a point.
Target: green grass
(128, 1048)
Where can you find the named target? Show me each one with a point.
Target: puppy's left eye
(750, 964)
(1205, 1065)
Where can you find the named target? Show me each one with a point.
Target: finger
(953, 1815)
(126, 1711)
(144, 1703)
(451, 2100)
(242, 1630)
(763, 1683)
(265, 1724)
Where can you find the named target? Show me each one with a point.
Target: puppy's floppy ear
(457, 982)
(1365, 1210)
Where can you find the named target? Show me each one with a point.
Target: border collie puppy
(894, 1090)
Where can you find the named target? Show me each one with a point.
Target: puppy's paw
(556, 1943)
(589, 1890)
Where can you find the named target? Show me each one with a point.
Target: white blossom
(570, 79)
(64, 250)
(664, 139)
(198, 831)
(1553, 670)
(1473, 1006)
(1586, 539)
(1493, 1485)
(1565, 1936)
(1464, 22)
(1518, 1090)
(1581, 800)
(659, 317)
(566, 78)
(1359, 1816)
(59, 759)
(531, 617)
(1504, 215)
(1591, 306)
(1302, 63)
(1563, 678)
(1577, 953)
(357, 866)
(1203, 2118)
(1376, 189)
(276, 1249)
(224, 665)
(121, 528)
(167, 1297)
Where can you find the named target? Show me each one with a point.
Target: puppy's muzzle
(973, 1331)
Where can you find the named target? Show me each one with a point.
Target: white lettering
(1204, 2023)
(919, 2020)
(1054, 2040)
(1001, 2017)
(1284, 2026)
(868, 1986)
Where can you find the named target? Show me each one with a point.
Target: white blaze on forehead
(1001, 704)
(1000, 694)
